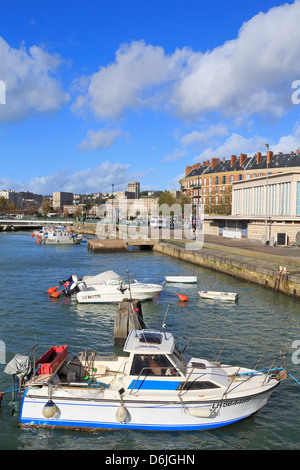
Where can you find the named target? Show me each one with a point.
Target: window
(154, 365)
(298, 199)
(224, 179)
(197, 385)
(240, 177)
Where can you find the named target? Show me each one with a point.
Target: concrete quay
(243, 259)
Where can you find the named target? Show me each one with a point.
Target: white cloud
(136, 78)
(102, 139)
(251, 74)
(30, 84)
(203, 137)
(233, 145)
(288, 143)
(247, 75)
(176, 155)
(99, 179)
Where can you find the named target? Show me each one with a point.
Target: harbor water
(28, 314)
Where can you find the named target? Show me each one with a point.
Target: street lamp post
(267, 198)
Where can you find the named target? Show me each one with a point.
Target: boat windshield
(179, 359)
(155, 364)
(119, 281)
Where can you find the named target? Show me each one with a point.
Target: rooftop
(243, 163)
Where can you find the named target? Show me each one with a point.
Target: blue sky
(105, 92)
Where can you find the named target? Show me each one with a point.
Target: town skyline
(93, 95)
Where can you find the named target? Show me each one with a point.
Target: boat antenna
(164, 324)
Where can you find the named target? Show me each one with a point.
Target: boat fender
(52, 289)
(121, 414)
(200, 412)
(49, 409)
(75, 278)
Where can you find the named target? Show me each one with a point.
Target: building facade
(60, 199)
(134, 187)
(277, 195)
(210, 183)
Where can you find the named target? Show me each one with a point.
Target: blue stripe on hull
(146, 384)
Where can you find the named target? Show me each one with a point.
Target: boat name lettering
(94, 296)
(236, 402)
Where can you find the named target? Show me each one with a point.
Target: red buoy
(182, 298)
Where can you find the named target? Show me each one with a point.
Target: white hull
(154, 388)
(182, 279)
(106, 295)
(96, 412)
(232, 296)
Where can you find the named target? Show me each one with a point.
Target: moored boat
(232, 296)
(182, 279)
(153, 386)
(109, 287)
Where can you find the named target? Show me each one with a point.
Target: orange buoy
(51, 290)
(55, 294)
(32, 235)
(183, 298)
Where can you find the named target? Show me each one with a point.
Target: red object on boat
(52, 289)
(55, 294)
(32, 235)
(51, 360)
(183, 298)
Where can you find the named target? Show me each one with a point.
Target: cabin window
(197, 385)
(154, 365)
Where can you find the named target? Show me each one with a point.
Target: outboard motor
(74, 288)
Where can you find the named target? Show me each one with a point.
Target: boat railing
(277, 353)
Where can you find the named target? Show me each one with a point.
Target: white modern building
(276, 195)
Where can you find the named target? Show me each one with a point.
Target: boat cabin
(156, 363)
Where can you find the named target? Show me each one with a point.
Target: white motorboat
(182, 279)
(110, 287)
(59, 237)
(232, 296)
(153, 386)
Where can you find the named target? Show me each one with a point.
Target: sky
(98, 93)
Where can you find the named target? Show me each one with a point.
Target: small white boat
(205, 294)
(182, 279)
(110, 287)
(152, 387)
(58, 237)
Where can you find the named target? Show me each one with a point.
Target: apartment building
(209, 183)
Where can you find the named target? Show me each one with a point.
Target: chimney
(233, 160)
(297, 151)
(243, 157)
(187, 170)
(223, 159)
(258, 157)
(269, 156)
(214, 161)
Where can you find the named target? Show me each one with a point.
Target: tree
(46, 206)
